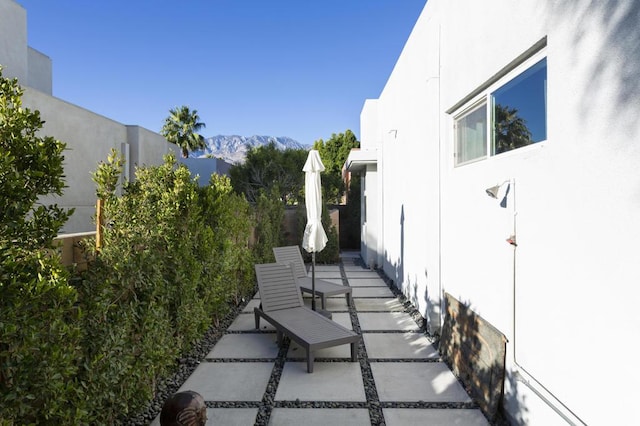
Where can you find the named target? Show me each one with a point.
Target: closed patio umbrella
(314, 239)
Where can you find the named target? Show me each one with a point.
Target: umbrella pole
(313, 280)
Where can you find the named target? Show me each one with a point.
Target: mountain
(233, 149)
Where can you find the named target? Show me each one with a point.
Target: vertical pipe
(313, 280)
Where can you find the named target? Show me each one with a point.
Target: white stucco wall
(571, 299)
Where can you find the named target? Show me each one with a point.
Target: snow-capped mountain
(233, 149)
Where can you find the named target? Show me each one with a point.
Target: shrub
(269, 232)
(174, 258)
(39, 348)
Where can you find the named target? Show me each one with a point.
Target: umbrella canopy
(314, 239)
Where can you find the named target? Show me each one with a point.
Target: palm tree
(510, 130)
(181, 128)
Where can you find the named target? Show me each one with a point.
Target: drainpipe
(440, 314)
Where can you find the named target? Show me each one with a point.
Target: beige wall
(13, 40)
(39, 73)
(89, 136)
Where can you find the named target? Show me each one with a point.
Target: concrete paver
(367, 282)
(246, 322)
(297, 352)
(327, 268)
(333, 303)
(320, 417)
(330, 381)
(253, 303)
(333, 280)
(400, 346)
(376, 321)
(385, 304)
(326, 274)
(225, 416)
(231, 416)
(351, 274)
(230, 381)
(371, 292)
(417, 381)
(260, 345)
(434, 417)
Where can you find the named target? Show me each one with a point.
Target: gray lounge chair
(291, 255)
(282, 306)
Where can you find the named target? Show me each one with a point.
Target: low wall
(70, 247)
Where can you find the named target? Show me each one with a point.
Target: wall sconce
(494, 191)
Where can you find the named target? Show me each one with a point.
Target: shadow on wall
(616, 66)
(410, 286)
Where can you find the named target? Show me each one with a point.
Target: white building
(566, 295)
(89, 136)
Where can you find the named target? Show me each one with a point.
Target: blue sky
(299, 68)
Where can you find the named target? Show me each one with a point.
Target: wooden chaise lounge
(282, 306)
(291, 255)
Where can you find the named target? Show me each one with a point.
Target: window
(520, 110)
(517, 112)
(471, 134)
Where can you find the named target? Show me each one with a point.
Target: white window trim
(484, 96)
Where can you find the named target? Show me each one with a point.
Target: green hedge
(40, 330)
(173, 260)
(88, 348)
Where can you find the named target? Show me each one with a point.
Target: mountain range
(233, 148)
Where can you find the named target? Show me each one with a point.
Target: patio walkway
(399, 378)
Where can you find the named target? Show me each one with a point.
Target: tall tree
(181, 127)
(266, 168)
(334, 153)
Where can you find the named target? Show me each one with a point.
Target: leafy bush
(173, 257)
(39, 347)
(230, 217)
(269, 230)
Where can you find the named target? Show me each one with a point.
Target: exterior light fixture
(493, 191)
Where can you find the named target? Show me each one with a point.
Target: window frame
(470, 109)
(484, 96)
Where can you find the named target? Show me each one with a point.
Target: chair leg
(354, 356)
(309, 361)
(257, 319)
(279, 338)
(348, 299)
(323, 298)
